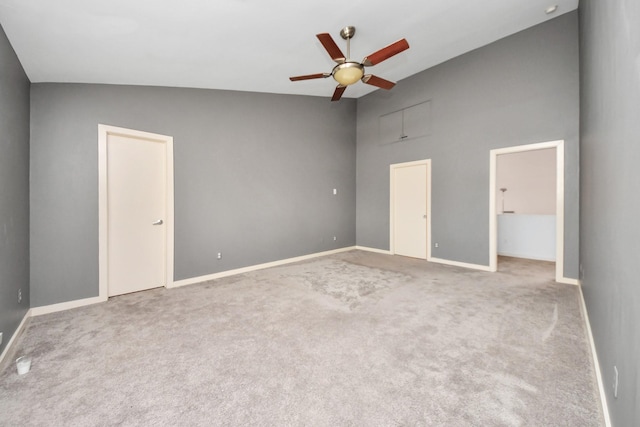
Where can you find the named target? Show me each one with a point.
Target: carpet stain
(345, 282)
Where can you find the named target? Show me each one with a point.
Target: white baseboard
(596, 363)
(14, 337)
(461, 264)
(431, 259)
(53, 308)
(568, 281)
(527, 256)
(200, 279)
(378, 251)
(46, 309)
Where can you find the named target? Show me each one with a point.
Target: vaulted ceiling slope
(249, 45)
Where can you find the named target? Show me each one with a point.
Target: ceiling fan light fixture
(348, 73)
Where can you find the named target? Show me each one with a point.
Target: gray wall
(14, 190)
(519, 90)
(609, 202)
(254, 175)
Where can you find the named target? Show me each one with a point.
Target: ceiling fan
(348, 72)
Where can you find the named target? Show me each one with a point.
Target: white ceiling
(249, 45)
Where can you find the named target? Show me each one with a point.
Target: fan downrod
(347, 32)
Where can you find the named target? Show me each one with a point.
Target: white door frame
(493, 218)
(103, 213)
(427, 163)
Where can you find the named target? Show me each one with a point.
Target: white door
(136, 198)
(409, 216)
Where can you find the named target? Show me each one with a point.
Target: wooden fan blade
(386, 53)
(332, 48)
(337, 94)
(310, 76)
(370, 79)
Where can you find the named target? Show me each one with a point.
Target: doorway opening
(531, 225)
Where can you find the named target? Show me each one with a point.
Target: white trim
(523, 256)
(427, 163)
(596, 364)
(103, 132)
(67, 305)
(493, 226)
(193, 280)
(429, 210)
(375, 250)
(461, 264)
(434, 260)
(560, 211)
(14, 337)
(568, 281)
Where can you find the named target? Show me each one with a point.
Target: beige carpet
(354, 339)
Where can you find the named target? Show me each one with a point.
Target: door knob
(424, 216)
(158, 222)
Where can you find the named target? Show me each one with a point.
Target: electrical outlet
(335, 191)
(0, 338)
(437, 245)
(335, 238)
(19, 296)
(615, 382)
(219, 255)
